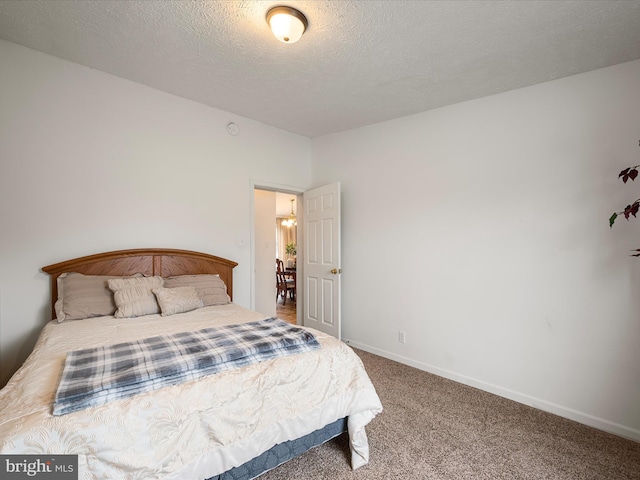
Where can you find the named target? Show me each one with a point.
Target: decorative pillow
(84, 296)
(211, 289)
(134, 296)
(177, 300)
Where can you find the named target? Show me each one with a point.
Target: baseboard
(571, 414)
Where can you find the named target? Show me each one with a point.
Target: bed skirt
(279, 454)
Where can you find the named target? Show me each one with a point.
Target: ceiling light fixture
(291, 221)
(287, 24)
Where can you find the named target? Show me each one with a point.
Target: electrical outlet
(402, 337)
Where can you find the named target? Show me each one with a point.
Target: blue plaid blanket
(96, 376)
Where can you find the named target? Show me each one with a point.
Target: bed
(237, 423)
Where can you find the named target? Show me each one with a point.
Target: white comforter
(193, 430)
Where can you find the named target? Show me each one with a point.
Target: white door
(321, 269)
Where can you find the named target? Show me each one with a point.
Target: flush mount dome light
(287, 24)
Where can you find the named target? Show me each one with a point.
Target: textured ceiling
(360, 62)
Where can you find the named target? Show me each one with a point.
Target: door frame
(277, 188)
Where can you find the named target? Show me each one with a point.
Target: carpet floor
(434, 428)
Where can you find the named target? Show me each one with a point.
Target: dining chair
(285, 286)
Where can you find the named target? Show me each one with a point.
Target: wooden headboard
(163, 262)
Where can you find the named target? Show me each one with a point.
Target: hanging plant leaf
(631, 209)
(628, 173)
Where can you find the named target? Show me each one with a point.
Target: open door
(321, 269)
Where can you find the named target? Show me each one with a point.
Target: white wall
(481, 229)
(265, 247)
(90, 162)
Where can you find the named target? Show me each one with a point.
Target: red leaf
(624, 174)
(631, 210)
(629, 173)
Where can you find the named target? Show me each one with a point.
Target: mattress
(197, 429)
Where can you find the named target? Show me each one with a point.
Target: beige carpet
(434, 428)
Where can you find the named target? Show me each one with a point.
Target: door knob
(335, 271)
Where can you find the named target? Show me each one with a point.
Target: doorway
(318, 304)
(286, 229)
